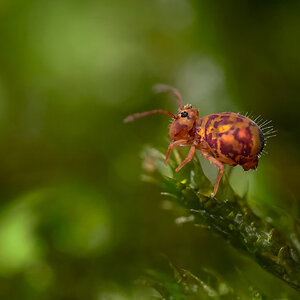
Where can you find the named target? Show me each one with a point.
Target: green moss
(227, 214)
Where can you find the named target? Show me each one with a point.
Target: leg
(174, 144)
(188, 158)
(219, 165)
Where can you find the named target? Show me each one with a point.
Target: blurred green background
(76, 221)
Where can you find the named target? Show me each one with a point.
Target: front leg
(174, 144)
(206, 154)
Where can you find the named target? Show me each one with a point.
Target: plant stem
(227, 214)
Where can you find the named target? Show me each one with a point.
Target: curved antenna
(163, 88)
(146, 113)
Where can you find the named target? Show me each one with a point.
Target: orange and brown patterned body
(231, 138)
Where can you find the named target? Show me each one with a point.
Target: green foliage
(178, 284)
(227, 214)
(75, 220)
(182, 284)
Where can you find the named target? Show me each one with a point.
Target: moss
(227, 214)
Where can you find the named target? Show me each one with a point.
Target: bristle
(264, 128)
(265, 123)
(270, 136)
(263, 153)
(260, 119)
(270, 131)
(250, 115)
(273, 130)
(256, 119)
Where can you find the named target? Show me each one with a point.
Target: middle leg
(218, 164)
(188, 158)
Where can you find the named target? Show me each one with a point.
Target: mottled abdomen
(233, 139)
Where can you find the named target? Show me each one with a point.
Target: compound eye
(184, 114)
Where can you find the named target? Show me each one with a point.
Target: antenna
(163, 88)
(158, 88)
(146, 113)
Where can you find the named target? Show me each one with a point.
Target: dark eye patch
(184, 114)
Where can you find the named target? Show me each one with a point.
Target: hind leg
(218, 164)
